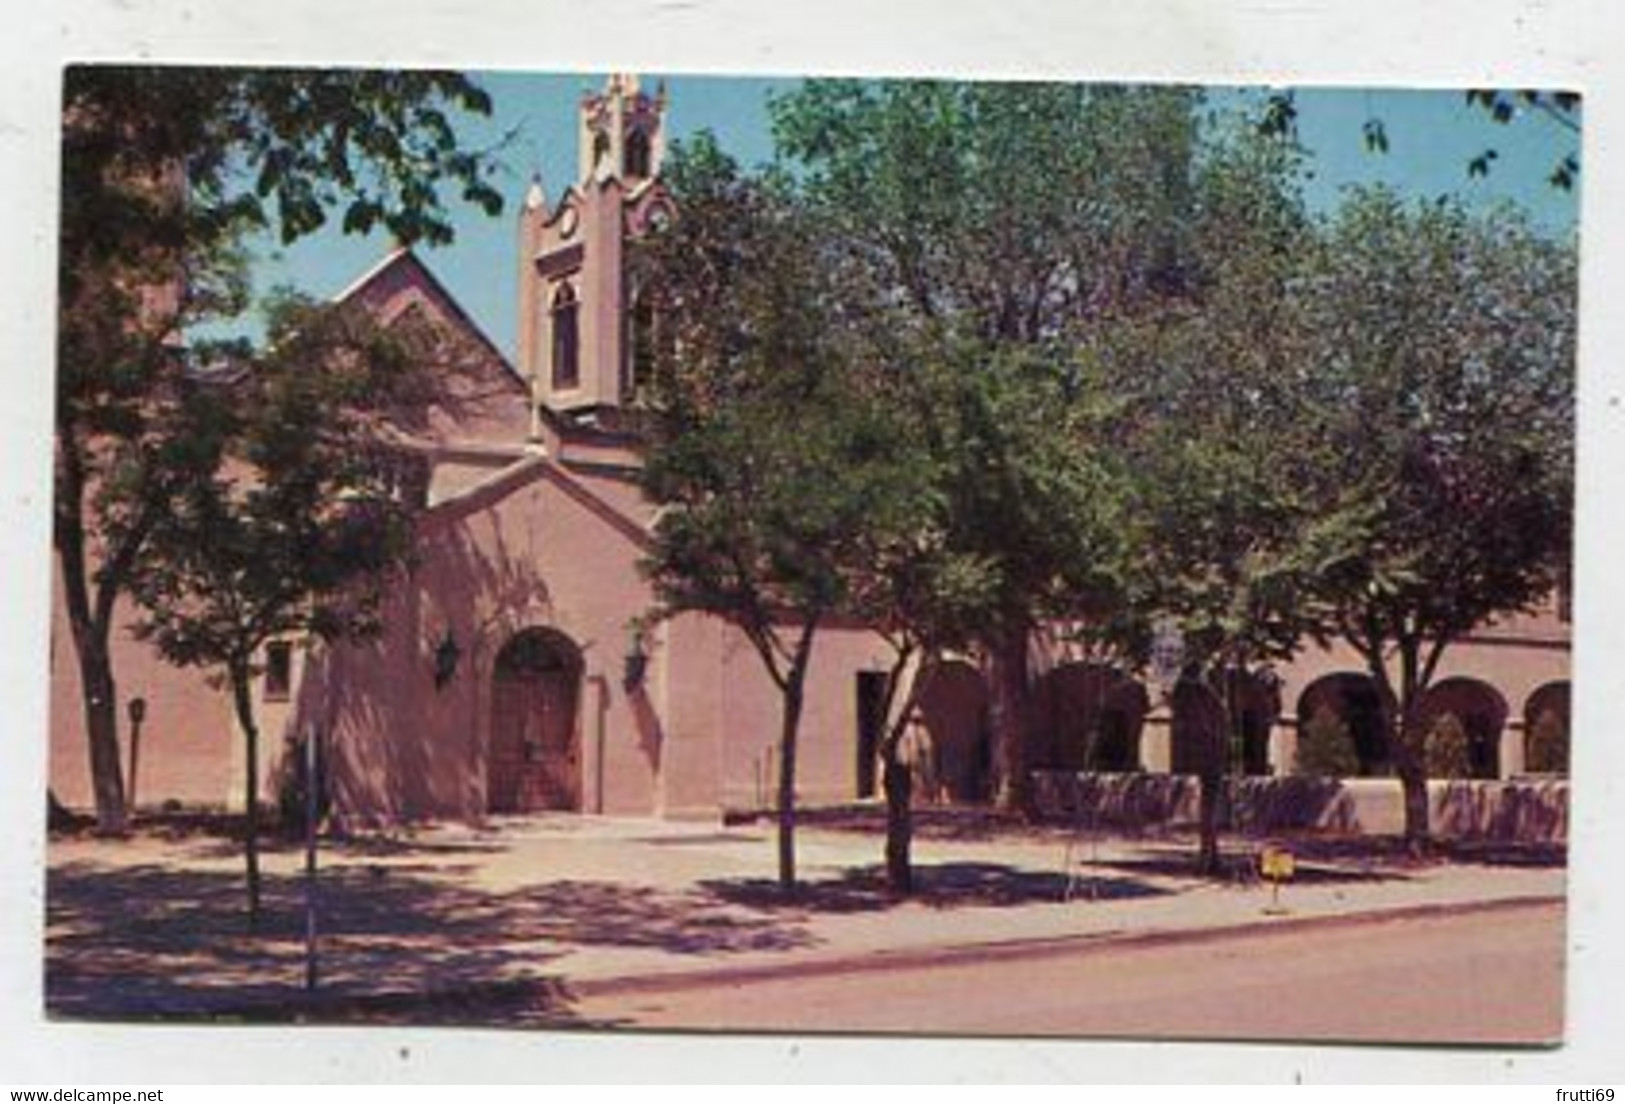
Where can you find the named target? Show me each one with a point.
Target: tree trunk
(899, 784)
(897, 780)
(101, 723)
(1207, 800)
(1010, 693)
(91, 625)
(1199, 722)
(242, 696)
(1410, 748)
(1410, 761)
(787, 778)
(58, 818)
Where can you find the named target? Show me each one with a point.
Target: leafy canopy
(301, 518)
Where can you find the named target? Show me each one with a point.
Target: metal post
(312, 811)
(138, 713)
(135, 758)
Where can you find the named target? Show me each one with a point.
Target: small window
(278, 670)
(637, 154)
(566, 339)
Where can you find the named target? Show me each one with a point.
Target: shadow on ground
(938, 885)
(964, 824)
(1243, 868)
(1489, 853)
(1359, 857)
(1393, 852)
(148, 941)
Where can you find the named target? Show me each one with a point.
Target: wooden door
(534, 761)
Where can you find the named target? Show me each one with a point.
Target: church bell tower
(578, 314)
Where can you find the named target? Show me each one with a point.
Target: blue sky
(1432, 136)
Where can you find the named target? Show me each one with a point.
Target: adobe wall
(549, 553)
(1534, 810)
(190, 750)
(750, 719)
(682, 710)
(1515, 656)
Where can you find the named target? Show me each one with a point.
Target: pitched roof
(404, 256)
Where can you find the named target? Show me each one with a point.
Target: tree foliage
(1213, 424)
(991, 224)
(1218, 444)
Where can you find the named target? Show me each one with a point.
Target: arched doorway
(1089, 717)
(1346, 707)
(956, 757)
(1470, 712)
(534, 761)
(1251, 702)
(1546, 730)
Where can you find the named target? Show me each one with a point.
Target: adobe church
(512, 675)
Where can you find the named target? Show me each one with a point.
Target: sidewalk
(544, 909)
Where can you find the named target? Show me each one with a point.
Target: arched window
(600, 149)
(566, 339)
(637, 154)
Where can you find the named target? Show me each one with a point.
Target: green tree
(1220, 446)
(904, 580)
(166, 171)
(979, 440)
(761, 454)
(295, 530)
(1444, 371)
(1010, 215)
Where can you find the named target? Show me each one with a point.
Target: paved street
(1483, 977)
(584, 921)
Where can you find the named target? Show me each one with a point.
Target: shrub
(1548, 744)
(1326, 746)
(1446, 748)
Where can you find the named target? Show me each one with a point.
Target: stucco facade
(511, 675)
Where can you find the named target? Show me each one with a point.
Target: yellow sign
(1276, 864)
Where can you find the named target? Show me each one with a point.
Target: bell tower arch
(622, 132)
(576, 330)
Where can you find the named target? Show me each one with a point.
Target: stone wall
(1527, 810)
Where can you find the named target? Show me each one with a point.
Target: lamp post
(313, 782)
(138, 713)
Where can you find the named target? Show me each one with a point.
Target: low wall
(1532, 810)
